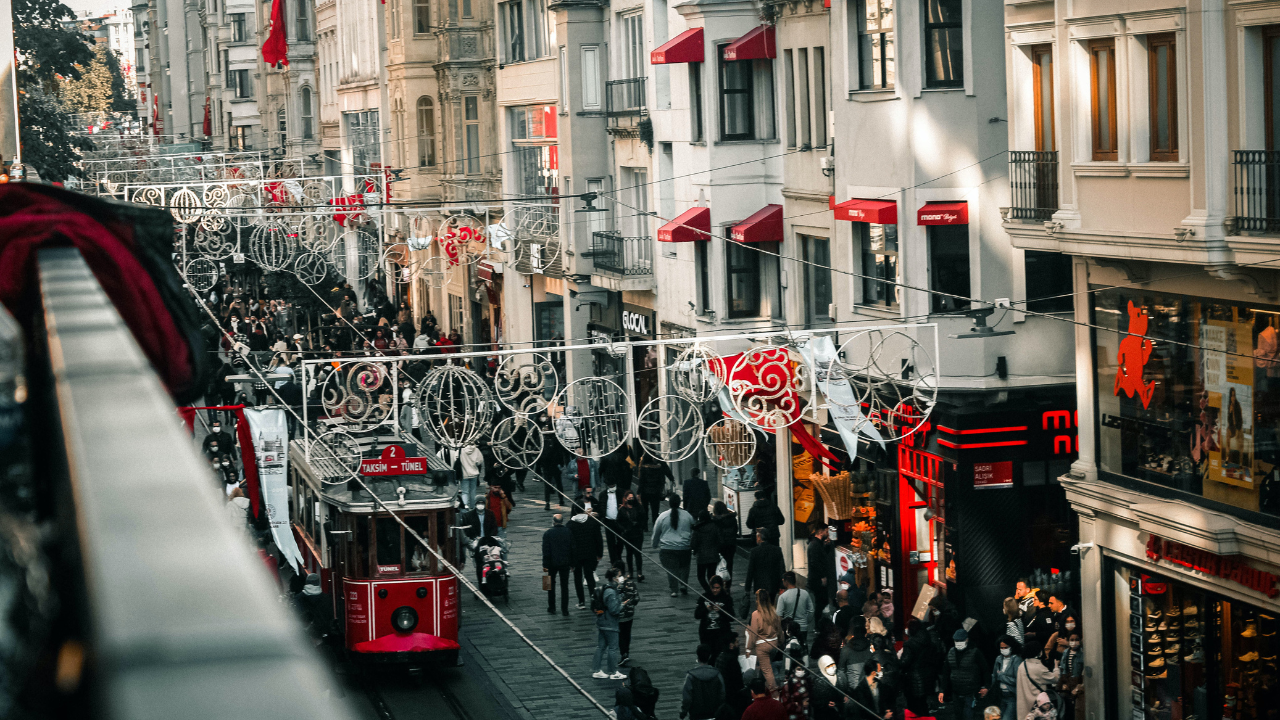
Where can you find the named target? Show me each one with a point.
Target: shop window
(817, 278)
(871, 28)
(943, 44)
(743, 276)
(1048, 282)
(1163, 84)
(949, 267)
(1188, 395)
(1102, 74)
(879, 246)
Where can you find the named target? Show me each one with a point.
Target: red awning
(693, 224)
(755, 45)
(764, 226)
(883, 212)
(683, 48)
(943, 213)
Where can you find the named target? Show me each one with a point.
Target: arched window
(305, 112)
(426, 132)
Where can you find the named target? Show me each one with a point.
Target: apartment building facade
(1143, 148)
(176, 74)
(288, 102)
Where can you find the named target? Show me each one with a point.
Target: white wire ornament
(335, 455)
(455, 406)
(272, 245)
(311, 268)
(896, 387)
(517, 442)
(693, 375)
(730, 443)
(766, 386)
(350, 391)
(202, 274)
(591, 417)
(669, 428)
(526, 382)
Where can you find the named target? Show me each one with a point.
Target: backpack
(598, 605)
(706, 697)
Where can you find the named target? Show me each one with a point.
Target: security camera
(1080, 547)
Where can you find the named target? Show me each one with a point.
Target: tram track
(429, 693)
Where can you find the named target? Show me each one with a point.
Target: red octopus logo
(1135, 350)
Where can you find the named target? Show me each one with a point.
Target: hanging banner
(270, 432)
(844, 408)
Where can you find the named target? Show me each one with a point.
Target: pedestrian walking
(872, 700)
(919, 665)
(697, 496)
(727, 522)
(607, 606)
(764, 513)
(891, 677)
(797, 605)
(820, 554)
(1003, 688)
(673, 537)
(468, 465)
(624, 706)
(1038, 621)
(763, 635)
(608, 503)
(477, 525)
(642, 689)
(631, 525)
(715, 615)
(1071, 677)
(704, 690)
(731, 673)
(828, 702)
(1036, 675)
(653, 478)
(843, 614)
(853, 659)
(548, 466)
(964, 676)
(763, 706)
(706, 547)
(557, 558)
(499, 503)
(588, 550)
(630, 594)
(615, 471)
(1013, 626)
(764, 567)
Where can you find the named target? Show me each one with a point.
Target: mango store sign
(1208, 563)
(394, 462)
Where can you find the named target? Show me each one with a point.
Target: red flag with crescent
(276, 47)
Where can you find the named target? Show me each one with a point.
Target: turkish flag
(276, 48)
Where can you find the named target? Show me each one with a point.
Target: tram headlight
(404, 619)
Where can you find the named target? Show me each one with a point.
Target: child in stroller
(493, 573)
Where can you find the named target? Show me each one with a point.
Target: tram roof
(325, 476)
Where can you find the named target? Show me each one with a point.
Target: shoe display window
(1247, 663)
(1167, 626)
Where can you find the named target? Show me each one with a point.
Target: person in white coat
(1037, 674)
(468, 465)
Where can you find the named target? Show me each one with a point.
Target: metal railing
(1257, 180)
(172, 599)
(629, 256)
(1033, 180)
(625, 102)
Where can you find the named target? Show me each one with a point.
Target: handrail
(182, 618)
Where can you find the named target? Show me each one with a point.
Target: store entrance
(921, 522)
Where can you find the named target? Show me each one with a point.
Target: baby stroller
(493, 574)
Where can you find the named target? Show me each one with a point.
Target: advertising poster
(270, 432)
(1228, 384)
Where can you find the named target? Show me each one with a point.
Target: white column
(785, 502)
(1086, 464)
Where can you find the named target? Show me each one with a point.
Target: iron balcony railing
(1257, 176)
(625, 102)
(629, 256)
(1033, 179)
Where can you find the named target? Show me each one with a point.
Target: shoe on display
(1161, 676)
(1172, 649)
(1155, 639)
(1250, 629)
(1174, 612)
(1191, 624)
(1191, 610)
(1175, 627)
(1153, 614)
(1158, 662)
(1164, 625)
(1172, 660)
(1154, 651)
(1196, 656)
(1269, 658)
(1249, 657)
(1150, 626)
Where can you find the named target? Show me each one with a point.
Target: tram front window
(360, 547)
(388, 544)
(420, 559)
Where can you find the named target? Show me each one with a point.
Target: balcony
(1257, 183)
(622, 263)
(1033, 180)
(626, 105)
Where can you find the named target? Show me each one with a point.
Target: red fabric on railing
(247, 455)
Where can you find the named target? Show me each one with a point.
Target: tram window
(388, 539)
(360, 547)
(443, 521)
(420, 559)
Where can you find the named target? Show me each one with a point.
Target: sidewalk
(664, 638)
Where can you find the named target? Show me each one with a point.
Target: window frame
(240, 82)
(1045, 141)
(749, 91)
(239, 28)
(934, 237)
(957, 59)
(426, 117)
(306, 98)
(818, 57)
(591, 82)
(421, 17)
(754, 270)
(1108, 45)
(887, 38)
(867, 254)
(471, 130)
(302, 22)
(1270, 87)
(815, 311)
(697, 114)
(1154, 42)
(702, 262)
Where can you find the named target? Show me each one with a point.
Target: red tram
(394, 599)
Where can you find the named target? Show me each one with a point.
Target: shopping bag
(747, 662)
(546, 582)
(722, 569)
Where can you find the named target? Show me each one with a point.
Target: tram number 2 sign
(394, 462)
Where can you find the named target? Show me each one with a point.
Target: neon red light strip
(982, 430)
(971, 446)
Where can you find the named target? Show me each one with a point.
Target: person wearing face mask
(871, 700)
(827, 700)
(479, 524)
(1062, 614)
(217, 441)
(1004, 677)
(963, 677)
(1071, 685)
(796, 694)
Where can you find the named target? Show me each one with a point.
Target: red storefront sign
(993, 475)
(1206, 562)
(393, 462)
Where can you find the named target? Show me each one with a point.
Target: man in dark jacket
(697, 496)
(607, 506)
(652, 481)
(871, 699)
(821, 556)
(764, 569)
(1039, 625)
(479, 523)
(919, 667)
(764, 513)
(963, 676)
(631, 526)
(891, 680)
(704, 690)
(588, 549)
(616, 471)
(557, 557)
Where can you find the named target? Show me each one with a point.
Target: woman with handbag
(1038, 674)
(762, 636)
